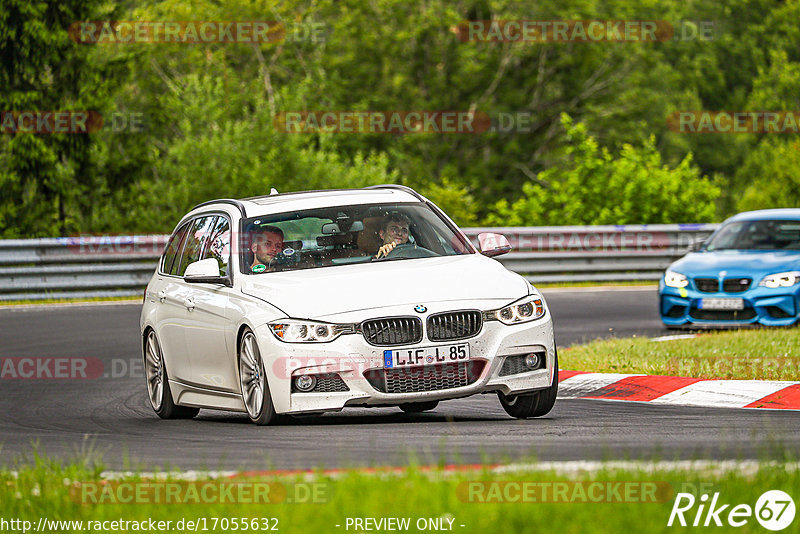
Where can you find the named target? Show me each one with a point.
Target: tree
(769, 176)
(771, 170)
(48, 182)
(592, 186)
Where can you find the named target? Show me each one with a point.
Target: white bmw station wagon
(311, 302)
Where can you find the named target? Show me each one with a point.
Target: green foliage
(771, 172)
(454, 199)
(768, 176)
(594, 187)
(222, 150)
(49, 184)
(208, 111)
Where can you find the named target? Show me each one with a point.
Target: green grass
(633, 283)
(762, 354)
(46, 489)
(28, 302)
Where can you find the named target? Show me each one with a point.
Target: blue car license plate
(721, 304)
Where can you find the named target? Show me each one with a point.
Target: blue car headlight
(777, 280)
(673, 279)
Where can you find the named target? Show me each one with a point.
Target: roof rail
(224, 201)
(399, 187)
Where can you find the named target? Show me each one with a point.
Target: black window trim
(181, 227)
(191, 220)
(231, 201)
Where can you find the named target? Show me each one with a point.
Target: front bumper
(762, 306)
(353, 359)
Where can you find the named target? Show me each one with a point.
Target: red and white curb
(680, 391)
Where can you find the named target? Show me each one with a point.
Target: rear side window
(173, 249)
(199, 234)
(219, 244)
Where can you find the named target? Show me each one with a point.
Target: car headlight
(781, 280)
(528, 309)
(673, 279)
(294, 331)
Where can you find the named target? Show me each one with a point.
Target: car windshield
(757, 235)
(343, 235)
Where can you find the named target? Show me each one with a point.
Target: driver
(266, 244)
(393, 232)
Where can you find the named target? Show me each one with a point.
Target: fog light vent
(305, 383)
(322, 383)
(532, 361)
(523, 363)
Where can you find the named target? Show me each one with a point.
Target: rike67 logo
(774, 510)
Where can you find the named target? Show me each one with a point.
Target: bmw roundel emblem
(420, 308)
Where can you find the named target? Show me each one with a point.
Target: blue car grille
(723, 315)
(707, 285)
(777, 313)
(676, 312)
(729, 285)
(736, 285)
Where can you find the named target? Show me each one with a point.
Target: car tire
(532, 404)
(253, 381)
(158, 382)
(419, 407)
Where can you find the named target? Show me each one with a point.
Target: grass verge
(759, 354)
(591, 284)
(601, 501)
(10, 303)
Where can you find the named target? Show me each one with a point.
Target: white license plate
(425, 356)
(721, 304)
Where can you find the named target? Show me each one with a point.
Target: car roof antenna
(273, 191)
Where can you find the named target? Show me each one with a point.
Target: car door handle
(189, 303)
(162, 296)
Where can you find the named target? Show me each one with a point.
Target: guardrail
(107, 266)
(596, 253)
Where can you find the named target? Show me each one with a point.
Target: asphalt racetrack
(110, 416)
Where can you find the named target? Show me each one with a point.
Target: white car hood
(321, 292)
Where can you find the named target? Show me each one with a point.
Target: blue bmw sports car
(747, 272)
